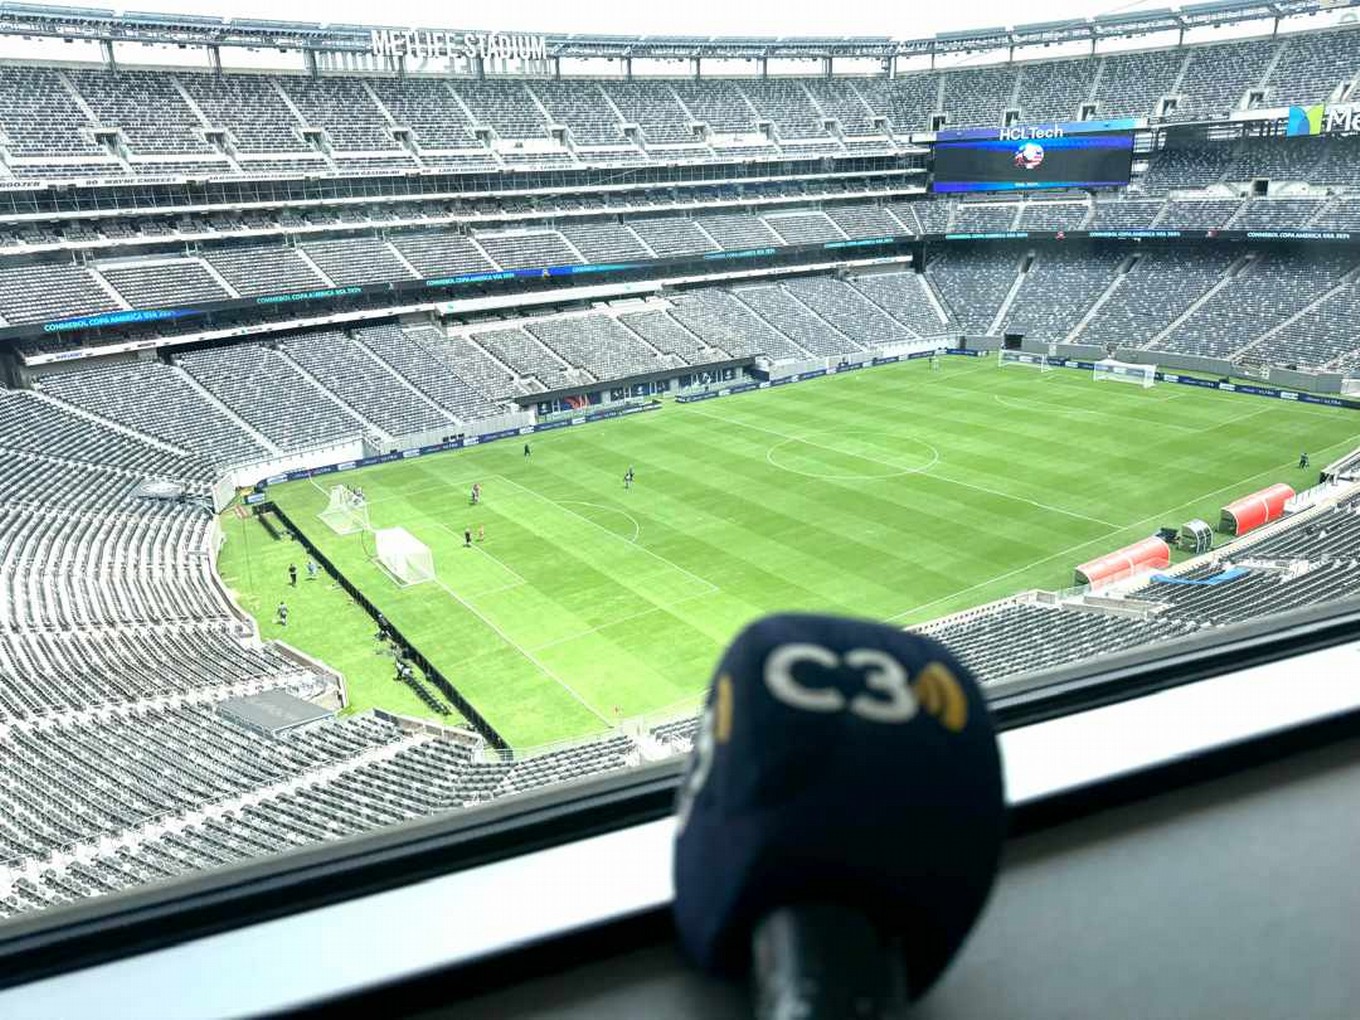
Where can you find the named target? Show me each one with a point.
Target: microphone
(841, 817)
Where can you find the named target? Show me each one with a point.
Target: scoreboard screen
(1031, 161)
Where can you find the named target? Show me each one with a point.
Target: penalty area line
(494, 559)
(542, 667)
(600, 527)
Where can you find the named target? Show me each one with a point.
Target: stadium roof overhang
(102, 24)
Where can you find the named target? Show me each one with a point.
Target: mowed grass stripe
(617, 599)
(788, 521)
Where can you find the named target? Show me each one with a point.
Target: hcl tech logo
(1029, 156)
(1020, 134)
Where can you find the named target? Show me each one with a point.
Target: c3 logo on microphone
(890, 694)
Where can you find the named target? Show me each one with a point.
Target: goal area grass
(897, 494)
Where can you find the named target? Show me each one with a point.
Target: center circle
(806, 455)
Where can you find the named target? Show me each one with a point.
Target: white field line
(603, 529)
(454, 484)
(932, 474)
(1093, 541)
(495, 559)
(1046, 406)
(637, 528)
(521, 649)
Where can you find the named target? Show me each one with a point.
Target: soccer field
(896, 493)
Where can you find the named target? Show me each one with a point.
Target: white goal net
(346, 512)
(1023, 358)
(1110, 370)
(406, 558)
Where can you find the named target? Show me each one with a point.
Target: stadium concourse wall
(1284, 378)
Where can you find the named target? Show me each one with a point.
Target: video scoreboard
(1083, 154)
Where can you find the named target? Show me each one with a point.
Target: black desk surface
(1236, 898)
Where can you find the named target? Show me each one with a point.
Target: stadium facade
(211, 278)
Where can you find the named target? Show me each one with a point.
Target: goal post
(346, 512)
(405, 558)
(1025, 359)
(1110, 370)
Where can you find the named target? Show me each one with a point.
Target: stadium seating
(847, 311)
(1208, 212)
(904, 297)
(601, 345)
(972, 284)
(164, 284)
(735, 231)
(1053, 215)
(860, 221)
(985, 217)
(1216, 80)
(668, 236)
(1058, 289)
(470, 362)
(1277, 214)
(1023, 637)
(357, 260)
(664, 333)
(1321, 335)
(424, 368)
(1054, 90)
(31, 423)
(266, 115)
(439, 253)
(795, 320)
(1159, 287)
(257, 270)
(605, 242)
(526, 356)
(379, 395)
(249, 107)
(267, 391)
(976, 97)
(1186, 167)
(723, 321)
(40, 293)
(117, 641)
(1263, 294)
(160, 400)
(528, 250)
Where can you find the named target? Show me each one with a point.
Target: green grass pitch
(896, 493)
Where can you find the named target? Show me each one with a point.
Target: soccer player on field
(628, 477)
(467, 538)
(481, 533)
(1303, 460)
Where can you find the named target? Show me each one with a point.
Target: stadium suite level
(297, 223)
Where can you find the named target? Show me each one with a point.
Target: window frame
(140, 924)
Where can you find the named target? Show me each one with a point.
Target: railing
(432, 672)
